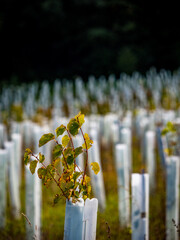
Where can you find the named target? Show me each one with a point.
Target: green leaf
(56, 162)
(95, 167)
(33, 165)
(60, 130)
(164, 131)
(28, 151)
(41, 158)
(51, 170)
(169, 125)
(26, 158)
(68, 151)
(57, 151)
(70, 159)
(169, 128)
(42, 172)
(65, 140)
(46, 174)
(27, 155)
(46, 138)
(76, 175)
(76, 194)
(73, 126)
(78, 151)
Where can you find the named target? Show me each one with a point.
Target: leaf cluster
(73, 182)
(170, 131)
(170, 127)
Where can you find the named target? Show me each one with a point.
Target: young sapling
(73, 183)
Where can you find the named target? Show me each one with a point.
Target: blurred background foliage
(46, 39)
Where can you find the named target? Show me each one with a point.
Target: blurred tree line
(45, 39)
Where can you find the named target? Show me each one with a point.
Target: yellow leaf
(166, 150)
(88, 141)
(65, 140)
(89, 189)
(95, 167)
(81, 119)
(85, 197)
(87, 179)
(86, 136)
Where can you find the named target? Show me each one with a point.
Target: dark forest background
(46, 39)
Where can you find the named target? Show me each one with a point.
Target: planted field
(134, 124)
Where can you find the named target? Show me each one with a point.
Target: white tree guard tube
(140, 206)
(47, 148)
(13, 180)
(58, 121)
(37, 133)
(97, 180)
(73, 227)
(141, 122)
(16, 127)
(126, 138)
(121, 159)
(27, 133)
(162, 145)
(108, 119)
(2, 135)
(172, 197)
(33, 204)
(80, 220)
(115, 132)
(127, 120)
(143, 127)
(17, 139)
(90, 219)
(150, 156)
(3, 177)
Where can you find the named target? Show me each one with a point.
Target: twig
(50, 174)
(27, 219)
(72, 146)
(108, 231)
(176, 226)
(85, 169)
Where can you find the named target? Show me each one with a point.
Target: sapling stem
(50, 174)
(75, 165)
(72, 146)
(62, 154)
(70, 138)
(85, 169)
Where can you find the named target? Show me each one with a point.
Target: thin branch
(63, 157)
(27, 219)
(108, 230)
(72, 146)
(85, 169)
(70, 138)
(56, 141)
(50, 174)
